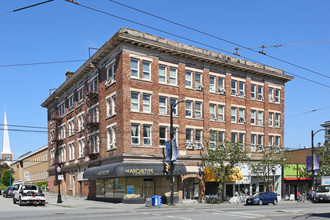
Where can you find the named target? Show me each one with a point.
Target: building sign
(60, 177)
(130, 189)
(103, 173)
(139, 171)
(26, 174)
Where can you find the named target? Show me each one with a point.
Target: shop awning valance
(235, 176)
(131, 170)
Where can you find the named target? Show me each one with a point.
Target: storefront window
(119, 190)
(242, 189)
(100, 188)
(134, 188)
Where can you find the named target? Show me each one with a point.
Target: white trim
(168, 95)
(60, 103)
(109, 96)
(140, 90)
(273, 134)
(111, 125)
(237, 131)
(71, 142)
(167, 124)
(258, 83)
(167, 64)
(257, 109)
(194, 99)
(81, 113)
(222, 75)
(93, 106)
(238, 106)
(217, 103)
(110, 63)
(275, 111)
(274, 86)
(141, 122)
(140, 57)
(194, 69)
(257, 132)
(194, 127)
(93, 77)
(238, 79)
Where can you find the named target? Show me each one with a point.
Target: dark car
(262, 198)
(8, 192)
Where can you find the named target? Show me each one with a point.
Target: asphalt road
(284, 210)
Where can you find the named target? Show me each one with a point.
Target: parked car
(262, 198)
(29, 194)
(8, 192)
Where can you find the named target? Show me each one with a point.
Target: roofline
(141, 39)
(30, 154)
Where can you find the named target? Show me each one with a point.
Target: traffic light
(166, 168)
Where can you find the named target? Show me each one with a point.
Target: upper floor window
(135, 101)
(277, 120)
(94, 145)
(260, 118)
(212, 112)
(253, 142)
(253, 117)
(260, 143)
(111, 105)
(271, 119)
(80, 122)
(111, 73)
(93, 114)
(146, 134)
(271, 95)
(212, 83)
(260, 93)
(173, 76)
(189, 109)
(135, 134)
(189, 138)
(221, 112)
(146, 70)
(234, 87)
(134, 68)
(198, 109)
(233, 114)
(80, 96)
(241, 89)
(81, 145)
(173, 102)
(198, 79)
(253, 91)
(71, 127)
(216, 138)
(93, 86)
(198, 138)
(277, 95)
(162, 74)
(146, 103)
(162, 105)
(71, 101)
(188, 79)
(111, 137)
(241, 114)
(162, 136)
(61, 109)
(71, 151)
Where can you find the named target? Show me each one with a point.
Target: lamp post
(59, 197)
(312, 160)
(171, 148)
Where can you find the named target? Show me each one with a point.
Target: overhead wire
(26, 7)
(219, 38)
(42, 63)
(307, 112)
(191, 40)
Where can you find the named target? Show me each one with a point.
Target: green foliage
(324, 157)
(222, 160)
(269, 162)
(41, 184)
(5, 178)
(3, 167)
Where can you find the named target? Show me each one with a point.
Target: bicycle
(302, 197)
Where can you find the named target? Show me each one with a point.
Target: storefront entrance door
(148, 188)
(190, 188)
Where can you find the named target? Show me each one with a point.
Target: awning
(131, 170)
(297, 178)
(235, 176)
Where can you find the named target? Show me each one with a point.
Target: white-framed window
(162, 73)
(253, 142)
(93, 85)
(111, 73)
(71, 151)
(260, 118)
(62, 153)
(93, 114)
(212, 83)
(162, 136)
(241, 115)
(134, 68)
(277, 95)
(173, 76)
(61, 109)
(241, 86)
(146, 103)
(135, 101)
(188, 79)
(146, 72)
(111, 137)
(189, 109)
(198, 110)
(71, 127)
(278, 142)
(111, 105)
(189, 138)
(221, 112)
(241, 140)
(271, 119)
(221, 83)
(198, 79)
(271, 142)
(80, 122)
(162, 105)
(94, 145)
(80, 95)
(213, 112)
(271, 95)
(234, 137)
(253, 117)
(233, 87)
(260, 93)
(198, 138)
(135, 134)
(233, 114)
(260, 143)
(61, 132)
(70, 102)
(81, 145)
(146, 134)
(173, 101)
(277, 120)
(253, 91)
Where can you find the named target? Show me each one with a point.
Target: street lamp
(59, 198)
(312, 160)
(171, 147)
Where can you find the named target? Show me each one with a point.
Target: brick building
(108, 122)
(32, 166)
(326, 126)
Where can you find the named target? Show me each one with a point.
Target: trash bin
(156, 200)
(159, 201)
(148, 202)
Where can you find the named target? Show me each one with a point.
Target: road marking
(290, 214)
(242, 213)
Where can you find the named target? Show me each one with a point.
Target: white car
(29, 194)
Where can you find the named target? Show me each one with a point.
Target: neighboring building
(32, 166)
(108, 122)
(326, 126)
(6, 154)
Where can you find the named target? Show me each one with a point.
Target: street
(78, 208)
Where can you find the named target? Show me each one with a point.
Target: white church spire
(5, 138)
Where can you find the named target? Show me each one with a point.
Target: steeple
(6, 153)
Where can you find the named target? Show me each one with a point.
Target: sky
(62, 31)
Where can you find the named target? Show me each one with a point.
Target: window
(277, 142)
(162, 136)
(114, 110)
(189, 109)
(198, 109)
(61, 132)
(212, 112)
(93, 115)
(162, 74)
(71, 151)
(81, 122)
(241, 115)
(189, 138)
(260, 118)
(260, 93)
(134, 101)
(111, 105)
(277, 120)
(146, 70)
(80, 96)
(71, 127)
(81, 144)
(213, 137)
(253, 117)
(198, 79)
(188, 79)
(271, 119)
(173, 102)
(61, 109)
(94, 143)
(93, 86)
(198, 138)
(233, 137)
(111, 137)
(146, 135)
(134, 68)
(253, 142)
(146, 103)
(162, 106)
(253, 91)
(241, 140)
(271, 143)
(271, 95)
(260, 143)
(212, 83)
(221, 112)
(277, 95)
(173, 76)
(241, 89)
(62, 154)
(221, 83)
(135, 131)
(111, 73)
(233, 114)
(234, 87)
(70, 102)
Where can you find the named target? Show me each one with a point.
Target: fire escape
(91, 120)
(56, 138)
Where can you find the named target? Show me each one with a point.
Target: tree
(3, 167)
(6, 177)
(324, 158)
(269, 162)
(221, 159)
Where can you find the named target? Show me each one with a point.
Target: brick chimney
(68, 74)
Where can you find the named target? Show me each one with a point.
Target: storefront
(133, 182)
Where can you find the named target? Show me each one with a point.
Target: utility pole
(312, 159)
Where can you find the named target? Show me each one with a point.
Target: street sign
(26, 174)
(60, 177)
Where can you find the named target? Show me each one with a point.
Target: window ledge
(240, 97)
(71, 135)
(199, 119)
(141, 79)
(80, 103)
(110, 116)
(108, 84)
(141, 146)
(147, 113)
(70, 110)
(167, 84)
(223, 121)
(112, 149)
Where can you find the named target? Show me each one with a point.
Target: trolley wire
(26, 7)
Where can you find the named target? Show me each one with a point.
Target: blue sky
(62, 31)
